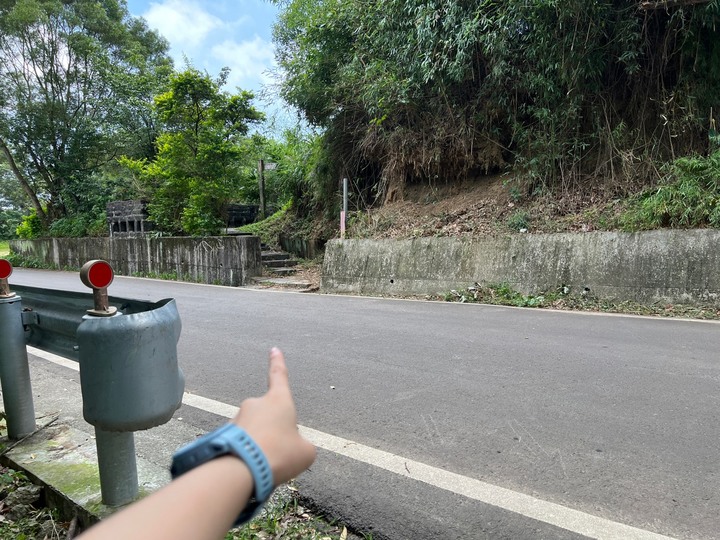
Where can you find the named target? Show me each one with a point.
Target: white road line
(518, 503)
(209, 405)
(54, 358)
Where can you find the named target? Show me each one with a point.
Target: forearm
(199, 505)
(204, 502)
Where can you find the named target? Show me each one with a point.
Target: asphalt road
(616, 417)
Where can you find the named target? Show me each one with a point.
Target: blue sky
(217, 33)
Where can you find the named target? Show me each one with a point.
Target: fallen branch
(15, 443)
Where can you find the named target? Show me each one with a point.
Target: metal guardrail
(127, 351)
(51, 318)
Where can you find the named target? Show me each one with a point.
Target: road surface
(439, 420)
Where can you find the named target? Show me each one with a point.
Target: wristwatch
(233, 440)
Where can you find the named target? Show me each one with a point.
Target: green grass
(4, 248)
(269, 229)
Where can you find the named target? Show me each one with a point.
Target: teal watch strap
(241, 444)
(229, 439)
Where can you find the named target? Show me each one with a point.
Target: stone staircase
(279, 269)
(278, 263)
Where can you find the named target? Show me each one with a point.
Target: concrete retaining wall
(223, 260)
(301, 247)
(665, 265)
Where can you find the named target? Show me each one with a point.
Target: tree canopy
(566, 91)
(76, 82)
(198, 167)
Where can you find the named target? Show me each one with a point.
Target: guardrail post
(115, 450)
(129, 374)
(117, 466)
(14, 368)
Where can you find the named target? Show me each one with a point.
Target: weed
(22, 521)
(519, 220)
(563, 298)
(289, 520)
(4, 248)
(689, 197)
(269, 229)
(20, 261)
(167, 276)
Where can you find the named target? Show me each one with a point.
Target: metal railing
(127, 351)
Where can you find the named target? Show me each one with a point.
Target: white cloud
(184, 23)
(249, 61)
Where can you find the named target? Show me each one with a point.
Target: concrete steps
(278, 263)
(279, 268)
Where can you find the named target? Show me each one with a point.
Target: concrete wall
(301, 247)
(223, 260)
(668, 265)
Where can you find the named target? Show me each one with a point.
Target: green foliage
(503, 294)
(76, 80)
(10, 219)
(292, 155)
(10, 478)
(270, 228)
(30, 227)
(519, 220)
(166, 276)
(287, 519)
(689, 197)
(565, 90)
(197, 170)
(563, 298)
(4, 248)
(79, 226)
(29, 262)
(35, 522)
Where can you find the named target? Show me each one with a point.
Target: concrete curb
(63, 460)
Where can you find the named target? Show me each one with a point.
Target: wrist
(230, 442)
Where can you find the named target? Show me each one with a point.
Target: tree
(12, 203)
(565, 91)
(197, 169)
(291, 159)
(76, 80)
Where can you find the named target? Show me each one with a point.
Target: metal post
(14, 370)
(115, 450)
(343, 215)
(261, 186)
(117, 466)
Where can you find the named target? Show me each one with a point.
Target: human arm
(204, 502)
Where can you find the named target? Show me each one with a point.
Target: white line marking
(209, 405)
(54, 358)
(518, 503)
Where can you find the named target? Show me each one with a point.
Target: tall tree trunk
(24, 183)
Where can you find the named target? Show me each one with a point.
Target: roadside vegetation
(291, 520)
(563, 298)
(603, 112)
(23, 516)
(575, 98)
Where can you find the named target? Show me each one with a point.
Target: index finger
(278, 373)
